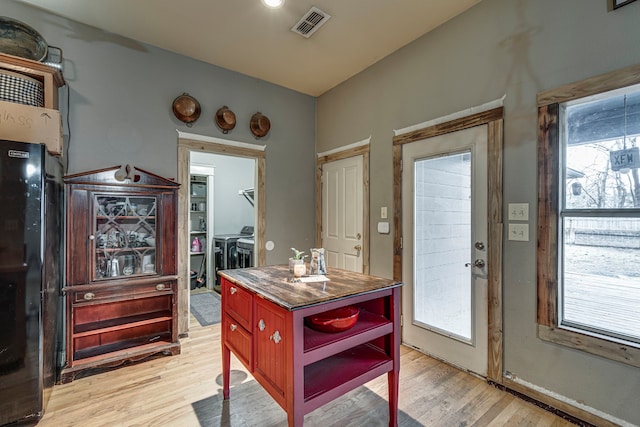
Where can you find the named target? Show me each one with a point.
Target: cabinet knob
(233, 327)
(232, 290)
(160, 287)
(89, 296)
(91, 237)
(276, 338)
(261, 325)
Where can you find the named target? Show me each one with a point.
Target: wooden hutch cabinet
(121, 269)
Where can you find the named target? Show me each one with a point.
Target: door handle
(477, 263)
(358, 248)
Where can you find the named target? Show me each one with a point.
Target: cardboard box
(36, 125)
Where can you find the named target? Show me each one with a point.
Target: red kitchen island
(263, 324)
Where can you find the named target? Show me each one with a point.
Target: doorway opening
(221, 216)
(222, 183)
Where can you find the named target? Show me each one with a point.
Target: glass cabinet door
(124, 236)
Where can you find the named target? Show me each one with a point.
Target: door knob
(477, 263)
(358, 248)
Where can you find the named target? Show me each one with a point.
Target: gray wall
(120, 95)
(517, 48)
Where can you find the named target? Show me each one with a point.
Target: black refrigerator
(31, 236)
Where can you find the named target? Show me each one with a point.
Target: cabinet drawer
(89, 317)
(237, 302)
(97, 295)
(153, 288)
(126, 292)
(238, 339)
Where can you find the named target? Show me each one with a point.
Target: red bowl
(337, 320)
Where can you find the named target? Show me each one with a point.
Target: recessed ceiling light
(273, 3)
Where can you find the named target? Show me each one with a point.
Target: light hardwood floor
(185, 391)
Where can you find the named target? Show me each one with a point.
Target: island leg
(393, 376)
(393, 381)
(226, 368)
(295, 419)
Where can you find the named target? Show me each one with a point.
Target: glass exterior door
(444, 204)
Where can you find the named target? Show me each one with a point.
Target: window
(589, 216)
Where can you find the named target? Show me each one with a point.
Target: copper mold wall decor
(225, 119)
(259, 125)
(186, 108)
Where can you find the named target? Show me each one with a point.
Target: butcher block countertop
(273, 283)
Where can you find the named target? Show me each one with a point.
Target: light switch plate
(518, 211)
(383, 212)
(519, 232)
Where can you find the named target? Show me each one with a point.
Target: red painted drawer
(238, 340)
(237, 303)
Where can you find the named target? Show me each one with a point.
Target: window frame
(547, 263)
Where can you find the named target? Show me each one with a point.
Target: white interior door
(444, 202)
(342, 212)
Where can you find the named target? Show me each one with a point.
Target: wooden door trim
(363, 151)
(185, 146)
(494, 119)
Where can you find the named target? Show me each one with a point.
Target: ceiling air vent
(310, 22)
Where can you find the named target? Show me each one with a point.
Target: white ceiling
(247, 37)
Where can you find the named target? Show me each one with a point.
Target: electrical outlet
(519, 232)
(518, 211)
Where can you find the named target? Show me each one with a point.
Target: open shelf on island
(334, 373)
(318, 345)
